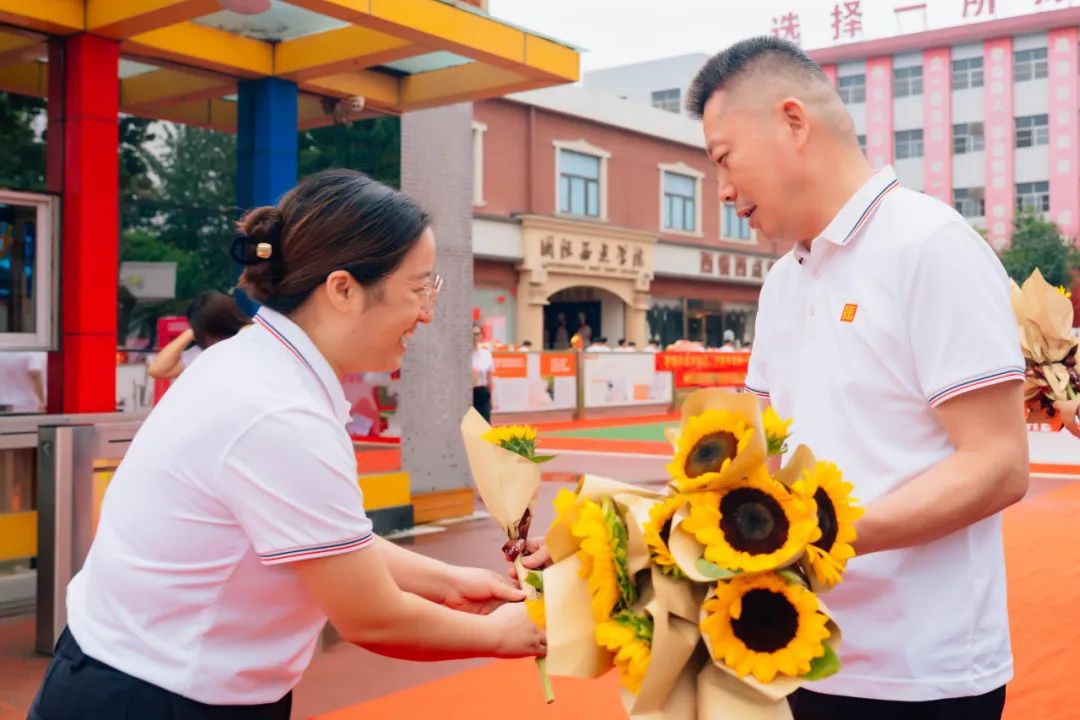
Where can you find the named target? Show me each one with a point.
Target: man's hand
(535, 557)
(480, 591)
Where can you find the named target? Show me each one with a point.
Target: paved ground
(341, 674)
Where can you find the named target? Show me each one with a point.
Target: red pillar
(84, 100)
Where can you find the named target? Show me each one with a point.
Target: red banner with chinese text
(705, 369)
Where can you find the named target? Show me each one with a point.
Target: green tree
(1038, 243)
(22, 137)
(371, 146)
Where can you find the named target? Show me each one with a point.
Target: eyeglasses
(430, 291)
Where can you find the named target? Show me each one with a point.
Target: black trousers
(481, 400)
(78, 687)
(808, 705)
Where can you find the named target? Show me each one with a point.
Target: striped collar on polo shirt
(857, 212)
(296, 342)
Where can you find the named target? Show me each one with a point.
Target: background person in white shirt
(887, 334)
(483, 375)
(234, 527)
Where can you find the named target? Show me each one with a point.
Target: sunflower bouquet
(705, 596)
(506, 470)
(1044, 317)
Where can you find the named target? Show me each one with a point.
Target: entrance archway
(590, 311)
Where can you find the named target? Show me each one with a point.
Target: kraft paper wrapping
(798, 461)
(1044, 319)
(681, 598)
(681, 703)
(507, 482)
(782, 685)
(673, 644)
(560, 541)
(742, 404)
(721, 695)
(571, 630)
(686, 549)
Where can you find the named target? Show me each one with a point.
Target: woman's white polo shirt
(244, 467)
(896, 308)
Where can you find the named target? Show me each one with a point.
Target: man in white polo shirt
(886, 333)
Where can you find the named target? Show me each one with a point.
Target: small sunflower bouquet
(506, 470)
(1044, 317)
(704, 596)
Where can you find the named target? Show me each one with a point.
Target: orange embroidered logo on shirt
(848, 315)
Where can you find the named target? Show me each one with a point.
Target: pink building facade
(983, 116)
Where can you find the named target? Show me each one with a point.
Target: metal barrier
(75, 457)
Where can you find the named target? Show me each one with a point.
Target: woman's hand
(519, 637)
(535, 557)
(480, 591)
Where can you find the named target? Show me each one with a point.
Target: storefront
(589, 274)
(699, 294)
(543, 279)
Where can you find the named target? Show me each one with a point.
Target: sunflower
(836, 516)
(629, 636)
(753, 525)
(706, 448)
(603, 556)
(537, 612)
(764, 626)
(1061, 289)
(520, 439)
(657, 531)
(776, 431)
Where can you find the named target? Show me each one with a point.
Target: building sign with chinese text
(837, 23)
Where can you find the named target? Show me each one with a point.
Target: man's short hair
(725, 67)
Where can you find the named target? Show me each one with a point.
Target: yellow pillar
(531, 299)
(637, 329)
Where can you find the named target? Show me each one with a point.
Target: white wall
(967, 105)
(1033, 164)
(1031, 97)
(495, 239)
(638, 81)
(908, 113)
(969, 170)
(910, 172)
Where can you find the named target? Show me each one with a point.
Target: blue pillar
(266, 145)
(266, 141)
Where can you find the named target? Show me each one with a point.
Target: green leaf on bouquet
(536, 580)
(542, 458)
(824, 666)
(706, 567)
(791, 578)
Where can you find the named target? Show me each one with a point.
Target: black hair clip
(262, 251)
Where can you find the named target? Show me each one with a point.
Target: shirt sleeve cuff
(763, 394)
(980, 381)
(278, 557)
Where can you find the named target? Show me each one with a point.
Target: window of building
(667, 100)
(908, 144)
(1032, 130)
(579, 184)
(478, 130)
(680, 202)
(967, 138)
(862, 143)
(970, 202)
(907, 81)
(852, 88)
(1033, 196)
(733, 226)
(967, 73)
(1029, 64)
